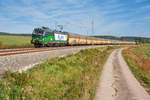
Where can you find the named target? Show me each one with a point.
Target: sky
(110, 17)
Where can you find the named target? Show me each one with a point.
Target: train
(46, 37)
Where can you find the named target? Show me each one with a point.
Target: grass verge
(73, 77)
(138, 59)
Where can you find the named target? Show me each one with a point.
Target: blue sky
(111, 17)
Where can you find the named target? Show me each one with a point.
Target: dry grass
(138, 59)
(6, 46)
(0, 43)
(141, 61)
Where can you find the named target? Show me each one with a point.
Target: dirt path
(117, 82)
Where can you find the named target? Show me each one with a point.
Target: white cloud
(79, 19)
(147, 18)
(110, 16)
(146, 7)
(3, 19)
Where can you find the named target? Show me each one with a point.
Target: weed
(72, 77)
(138, 59)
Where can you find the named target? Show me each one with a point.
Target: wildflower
(7, 98)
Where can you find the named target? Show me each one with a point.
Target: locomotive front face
(47, 37)
(42, 37)
(37, 34)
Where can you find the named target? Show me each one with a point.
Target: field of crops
(11, 41)
(138, 59)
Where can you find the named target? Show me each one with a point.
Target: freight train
(45, 37)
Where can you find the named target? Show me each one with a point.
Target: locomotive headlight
(51, 38)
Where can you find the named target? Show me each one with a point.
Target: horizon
(110, 17)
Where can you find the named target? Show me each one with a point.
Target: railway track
(7, 52)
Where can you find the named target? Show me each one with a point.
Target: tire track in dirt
(117, 82)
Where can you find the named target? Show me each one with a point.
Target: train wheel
(37, 45)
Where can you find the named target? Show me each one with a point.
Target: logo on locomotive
(61, 37)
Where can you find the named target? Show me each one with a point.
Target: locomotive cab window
(46, 33)
(38, 32)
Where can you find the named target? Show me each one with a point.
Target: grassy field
(73, 77)
(138, 58)
(8, 41)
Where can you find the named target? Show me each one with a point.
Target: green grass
(138, 59)
(73, 77)
(8, 41)
(144, 50)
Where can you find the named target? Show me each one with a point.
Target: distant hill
(15, 34)
(126, 38)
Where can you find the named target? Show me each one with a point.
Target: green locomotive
(44, 36)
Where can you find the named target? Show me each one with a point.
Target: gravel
(22, 62)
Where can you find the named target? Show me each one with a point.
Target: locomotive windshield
(38, 31)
